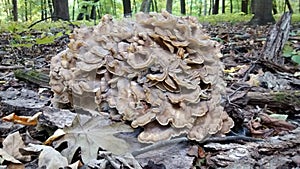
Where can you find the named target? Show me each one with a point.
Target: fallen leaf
(92, 133)
(15, 166)
(25, 120)
(4, 156)
(58, 133)
(49, 157)
(12, 143)
(76, 165)
(253, 81)
(279, 116)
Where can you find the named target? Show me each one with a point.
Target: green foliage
(43, 33)
(48, 39)
(230, 17)
(290, 52)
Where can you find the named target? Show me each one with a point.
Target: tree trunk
(275, 11)
(26, 10)
(275, 42)
(216, 7)
(262, 13)
(231, 6)
(252, 6)
(182, 7)
(61, 10)
(145, 7)
(244, 6)
(134, 6)
(169, 5)
(83, 12)
(223, 6)
(94, 12)
(45, 9)
(127, 8)
(205, 7)
(154, 2)
(15, 10)
(50, 7)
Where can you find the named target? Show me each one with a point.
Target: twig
(11, 67)
(184, 139)
(52, 17)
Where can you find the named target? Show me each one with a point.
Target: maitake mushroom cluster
(159, 72)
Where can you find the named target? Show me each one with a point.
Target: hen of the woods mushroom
(160, 72)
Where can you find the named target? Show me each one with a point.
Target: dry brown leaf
(25, 120)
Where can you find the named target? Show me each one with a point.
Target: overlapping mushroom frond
(160, 72)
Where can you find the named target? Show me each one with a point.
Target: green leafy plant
(290, 52)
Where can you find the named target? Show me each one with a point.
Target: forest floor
(263, 100)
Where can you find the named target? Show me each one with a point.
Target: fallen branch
(11, 67)
(184, 139)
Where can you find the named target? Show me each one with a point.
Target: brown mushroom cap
(161, 72)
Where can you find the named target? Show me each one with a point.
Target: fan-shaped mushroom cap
(160, 72)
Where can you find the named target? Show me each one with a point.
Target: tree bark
(205, 7)
(284, 100)
(276, 40)
(145, 7)
(231, 6)
(223, 6)
(83, 12)
(245, 6)
(26, 10)
(262, 13)
(61, 10)
(169, 5)
(182, 7)
(216, 7)
(127, 8)
(15, 10)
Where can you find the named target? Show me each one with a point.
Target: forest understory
(262, 97)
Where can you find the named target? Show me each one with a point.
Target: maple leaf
(90, 133)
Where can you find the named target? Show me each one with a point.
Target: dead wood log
(279, 100)
(277, 37)
(274, 152)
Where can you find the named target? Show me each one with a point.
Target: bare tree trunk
(15, 10)
(252, 6)
(287, 2)
(169, 5)
(216, 7)
(275, 11)
(231, 7)
(50, 7)
(211, 4)
(45, 8)
(127, 8)
(73, 11)
(134, 6)
(262, 13)
(26, 10)
(223, 6)
(154, 2)
(145, 7)
(244, 6)
(191, 7)
(182, 7)
(83, 12)
(61, 10)
(205, 7)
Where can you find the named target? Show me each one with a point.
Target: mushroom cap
(160, 72)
